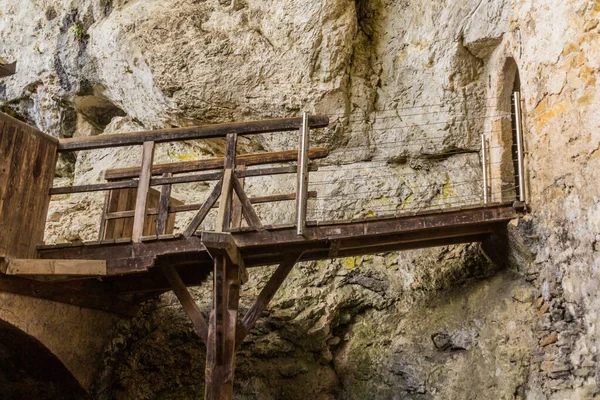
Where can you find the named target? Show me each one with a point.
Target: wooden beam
(142, 192)
(24, 267)
(236, 207)
(163, 208)
(203, 211)
(189, 133)
(216, 163)
(266, 295)
(251, 217)
(220, 354)
(96, 187)
(224, 216)
(187, 301)
(223, 241)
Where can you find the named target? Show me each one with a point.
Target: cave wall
(409, 87)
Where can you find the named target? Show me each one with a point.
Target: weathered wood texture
(123, 201)
(216, 163)
(187, 301)
(26, 267)
(189, 133)
(27, 162)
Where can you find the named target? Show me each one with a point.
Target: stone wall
(438, 323)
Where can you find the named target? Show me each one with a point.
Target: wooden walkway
(137, 256)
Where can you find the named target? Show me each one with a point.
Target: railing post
(484, 167)
(302, 175)
(142, 192)
(519, 128)
(224, 216)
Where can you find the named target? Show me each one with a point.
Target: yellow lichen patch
(371, 214)
(546, 115)
(406, 202)
(447, 189)
(185, 156)
(349, 263)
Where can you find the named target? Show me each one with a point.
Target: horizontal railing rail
(190, 133)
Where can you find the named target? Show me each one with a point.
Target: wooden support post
(142, 192)
(163, 207)
(220, 352)
(224, 218)
(236, 208)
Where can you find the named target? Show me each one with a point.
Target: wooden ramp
(138, 256)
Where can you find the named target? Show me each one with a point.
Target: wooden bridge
(138, 256)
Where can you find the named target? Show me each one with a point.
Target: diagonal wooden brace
(265, 296)
(187, 301)
(247, 209)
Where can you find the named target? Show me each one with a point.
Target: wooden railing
(233, 202)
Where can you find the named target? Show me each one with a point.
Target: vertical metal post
(302, 174)
(484, 167)
(519, 127)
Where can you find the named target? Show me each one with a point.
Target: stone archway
(28, 370)
(503, 152)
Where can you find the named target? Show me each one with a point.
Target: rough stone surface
(409, 87)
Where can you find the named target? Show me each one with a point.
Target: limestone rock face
(409, 87)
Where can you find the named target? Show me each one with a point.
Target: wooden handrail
(211, 176)
(189, 133)
(215, 163)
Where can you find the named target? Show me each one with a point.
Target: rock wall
(409, 87)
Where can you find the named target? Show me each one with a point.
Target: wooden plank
(142, 192)
(45, 183)
(273, 171)
(25, 267)
(10, 206)
(96, 187)
(189, 133)
(123, 200)
(163, 208)
(203, 212)
(280, 237)
(224, 214)
(376, 227)
(187, 301)
(236, 207)
(251, 217)
(216, 163)
(25, 203)
(30, 130)
(266, 295)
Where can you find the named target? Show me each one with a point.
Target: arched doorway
(505, 149)
(28, 370)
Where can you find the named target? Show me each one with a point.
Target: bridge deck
(135, 267)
